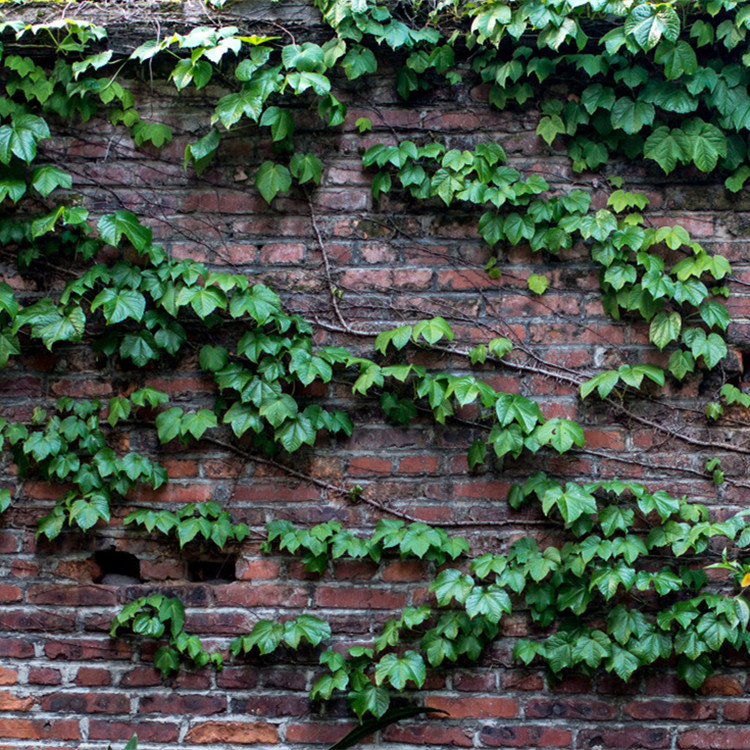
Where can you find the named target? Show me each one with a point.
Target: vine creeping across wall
(621, 586)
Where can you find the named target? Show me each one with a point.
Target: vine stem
(334, 488)
(332, 288)
(343, 491)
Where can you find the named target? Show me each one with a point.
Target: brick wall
(65, 684)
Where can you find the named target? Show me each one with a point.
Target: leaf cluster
(158, 617)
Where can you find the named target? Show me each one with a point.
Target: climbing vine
(624, 586)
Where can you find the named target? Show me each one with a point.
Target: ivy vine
(626, 588)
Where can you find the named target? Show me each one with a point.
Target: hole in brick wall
(201, 571)
(737, 377)
(117, 567)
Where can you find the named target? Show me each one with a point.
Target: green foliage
(640, 92)
(206, 520)
(70, 447)
(158, 617)
(268, 635)
(632, 376)
(328, 541)
(625, 543)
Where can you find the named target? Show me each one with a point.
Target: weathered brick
(360, 597)
(568, 708)
(183, 705)
(715, 738)
(93, 677)
(44, 676)
(477, 707)
(238, 732)
(148, 731)
(93, 702)
(626, 738)
(682, 710)
(75, 596)
(40, 729)
(525, 736)
(10, 701)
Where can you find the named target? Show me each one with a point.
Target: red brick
(359, 597)
(718, 684)
(317, 733)
(628, 738)
(243, 678)
(162, 569)
(185, 705)
(239, 732)
(525, 736)
(148, 731)
(682, 710)
(405, 571)
(93, 677)
(40, 729)
(715, 738)
(249, 595)
(71, 596)
(16, 648)
(85, 650)
(44, 676)
(36, 620)
(8, 676)
(10, 701)
(257, 570)
(418, 465)
(9, 593)
(8, 543)
(366, 466)
(475, 707)
(92, 702)
(141, 677)
(430, 734)
(568, 708)
(287, 253)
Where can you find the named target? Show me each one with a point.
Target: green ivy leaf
(202, 151)
(373, 699)
(538, 284)
(604, 383)
(307, 627)
(358, 62)
(694, 672)
(119, 408)
(120, 305)
(631, 115)
(488, 601)
(112, 227)
(561, 434)
(295, 432)
(21, 137)
(45, 179)
(141, 348)
(648, 23)
(451, 584)
(306, 168)
(665, 328)
(400, 670)
(432, 330)
(167, 660)
(272, 179)
(550, 127)
(168, 424)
